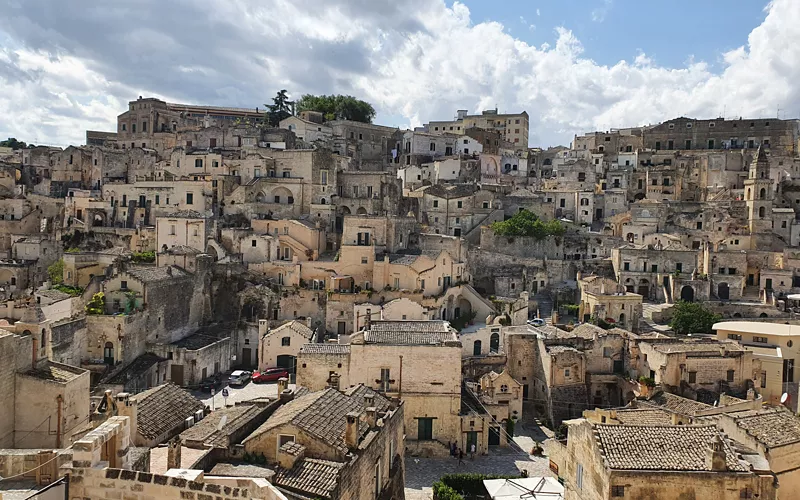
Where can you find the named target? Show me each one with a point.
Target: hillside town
(287, 303)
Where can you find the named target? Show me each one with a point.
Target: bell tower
(758, 194)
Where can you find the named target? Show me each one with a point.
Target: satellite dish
(784, 398)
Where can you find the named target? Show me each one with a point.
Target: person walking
(461, 457)
(472, 451)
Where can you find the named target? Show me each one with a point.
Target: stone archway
(723, 291)
(361, 211)
(687, 294)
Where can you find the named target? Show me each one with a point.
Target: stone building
(512, 128)
(605, 461)
(278, 347)
(183, 228)
(355, 452)
(394, 357)
(604, 299)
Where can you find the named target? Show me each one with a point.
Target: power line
(30, 470)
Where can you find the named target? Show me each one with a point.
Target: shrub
(443, 492)
(143, 257)
(649, 382)
(72, 291)
(464, 486)
(97, 304)
(692, 317)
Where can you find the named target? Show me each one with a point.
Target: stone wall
(68, 341)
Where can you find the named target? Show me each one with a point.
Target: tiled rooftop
(311, 476)
(55, 372)
(241, 470)
(186, 214)
(321, 414)
(164, 408)
(137, 367)
(149, 274)
(711, 347)
(207, 431)
(560, 349)
(676, 448)
(409, 332)
(676, 404)
(296, 326)
(325, 348)
(644, 417)
(774, 427)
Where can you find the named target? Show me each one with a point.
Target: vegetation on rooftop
(14, 144)
(526, 223)
(143, 257)
(466, 486)
(72, 291)
(337, 107)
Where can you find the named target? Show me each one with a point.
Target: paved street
(237, 394)
(421, 473)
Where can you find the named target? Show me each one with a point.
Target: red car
(270, 375)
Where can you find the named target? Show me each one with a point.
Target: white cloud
(599, 14)
(416, 59)
(538, 12)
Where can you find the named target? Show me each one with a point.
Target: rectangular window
(324, 177)
(579, 477)
(158, 199)
(369, 191)
(763, 379)
(144, 126)
(692, 377)
(286, 341)
(678, 267)
(355, 191)
(626, 266)
(189, 198)
(397, 283)
(761, 340)
(617, 491)
(253, 243)
(670, 144)
(123, 285)
(734, 336)
(566, 372)
(172, 229)
(460, 204)
(435, 203)
(731, 375)
(133, 128)
(654, 268)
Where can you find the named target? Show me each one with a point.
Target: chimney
(308, 321)
(715, 455)
(283, 384)
(127, 406)
(286, 395)
(372, 417)
(290, 453)
(351, 430)
(174, 453)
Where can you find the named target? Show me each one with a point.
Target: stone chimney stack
(283, 384)
(127, 406)
(715, 455)
(290, 453)
(372, 417)
(351, 430)
(174, 453)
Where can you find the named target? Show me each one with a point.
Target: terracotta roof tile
(409, 332)
(163, 408)
(310, 475)
(678, 448)
(774, 428)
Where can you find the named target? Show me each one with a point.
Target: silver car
(238, 378)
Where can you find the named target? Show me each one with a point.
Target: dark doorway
(457, 231)
(618, 368)
(525, 391)
(476, 348)
(723, 291)
(287, 361)
(788, 370)
(768, 284)
(598, 213)
(342, 326)
(494, 343)
(247, 354)
(750, 280)
(424, 429)
(644, 289)
(472, 438)
(494, 436)
(687, 294)
(176, 374)
(108, 353)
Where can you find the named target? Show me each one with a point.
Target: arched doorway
(629, 285)
(108, 353)
(723, 291)
(622, 319)
(476, 348)
(494, 343)
(644, 288)
(687, 294)
(361, 211)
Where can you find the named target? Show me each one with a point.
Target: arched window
(494, 343)
(548, 161)
(584, 202)
(622, 319)
(761, 212)
(762, 194)
(749, 192)
(108, 353)
(476, 348)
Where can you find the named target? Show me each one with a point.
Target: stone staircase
(545, 302)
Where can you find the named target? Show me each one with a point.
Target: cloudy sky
(574, 65)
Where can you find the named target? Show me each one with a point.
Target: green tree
(12, 143)
(56, 272)
(526, 223)
(692, 317)
(338, 107)
(280, 109)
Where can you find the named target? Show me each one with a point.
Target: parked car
(239, 378)
(536, 322)
(213, 382)
(270, 375)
